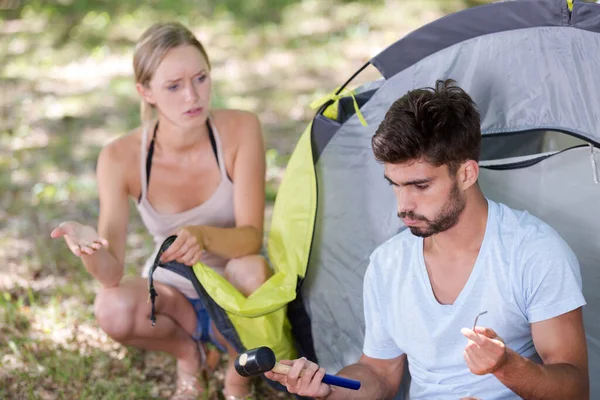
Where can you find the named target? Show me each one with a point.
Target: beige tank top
(216, 211)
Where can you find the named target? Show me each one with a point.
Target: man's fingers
(486, 332)
(307, 374)
(297, 367)
(316, 380)
(469, 359)
(276, 377)
(485, 342)
(482, 336)
(469, 334)
(287, 362)
(311, 366)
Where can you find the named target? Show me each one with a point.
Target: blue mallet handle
(327, 379)
(341, 382)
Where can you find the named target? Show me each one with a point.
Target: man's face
(430, 201)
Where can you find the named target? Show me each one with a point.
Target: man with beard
(463, 258)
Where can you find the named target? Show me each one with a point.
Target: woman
(192, 172)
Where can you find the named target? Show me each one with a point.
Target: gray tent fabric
(466, 25)
(536, 71)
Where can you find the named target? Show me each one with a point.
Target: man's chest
(448, 276)
(429, 332)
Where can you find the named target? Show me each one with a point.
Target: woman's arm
(248, 175)
(107, 264)
(103, 252)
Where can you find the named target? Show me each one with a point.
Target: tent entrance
(524, 148)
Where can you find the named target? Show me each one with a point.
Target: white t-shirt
(524, 273)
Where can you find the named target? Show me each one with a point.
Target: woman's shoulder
(122, 151)
(233, 115)
(236, 125)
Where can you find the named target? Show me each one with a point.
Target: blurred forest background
(67, 88)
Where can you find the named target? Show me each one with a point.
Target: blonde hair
(150, 50)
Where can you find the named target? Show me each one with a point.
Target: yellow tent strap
(570, 5)
(334, 97)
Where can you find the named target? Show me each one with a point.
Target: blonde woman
(194, 172)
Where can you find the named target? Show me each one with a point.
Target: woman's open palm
(81, 239)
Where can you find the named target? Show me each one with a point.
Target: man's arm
(380, 372)
(380, 379)
(560, 342)
(547, 271)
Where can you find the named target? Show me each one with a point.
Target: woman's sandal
(193, 386)
(244, 397)
(188, 387)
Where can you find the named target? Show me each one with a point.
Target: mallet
(262, 359)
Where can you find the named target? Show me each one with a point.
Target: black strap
(149, 156)
(164, 246)
(213, 143)
(149, 160)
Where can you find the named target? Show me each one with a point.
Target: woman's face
(180, 88)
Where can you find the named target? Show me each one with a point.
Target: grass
(66, 89)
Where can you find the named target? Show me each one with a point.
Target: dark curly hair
(441, 125)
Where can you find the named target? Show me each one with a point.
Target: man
(462, 257)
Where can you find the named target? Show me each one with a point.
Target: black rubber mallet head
(255, 362)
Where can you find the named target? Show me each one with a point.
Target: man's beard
(446, 219)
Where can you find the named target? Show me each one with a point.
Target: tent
(530, 65)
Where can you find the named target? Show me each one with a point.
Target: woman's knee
(115, 309)
(248, 273)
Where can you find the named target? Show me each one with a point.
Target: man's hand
(309, 384)
(187, 249)
(485, 351)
